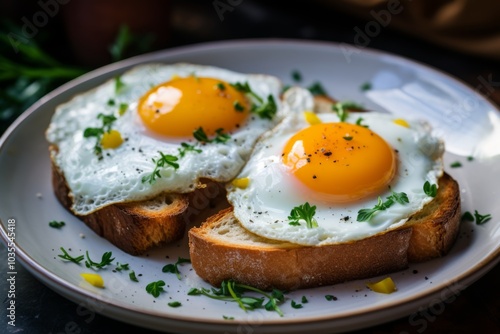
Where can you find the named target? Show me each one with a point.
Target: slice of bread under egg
(224, 247)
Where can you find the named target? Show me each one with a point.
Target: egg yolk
(178, 107)
(340, 162)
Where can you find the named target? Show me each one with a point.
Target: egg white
(264, 206)
(118, 176)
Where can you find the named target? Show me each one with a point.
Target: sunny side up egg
(160, 128)
(339, 167)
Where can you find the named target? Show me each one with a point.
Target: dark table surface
(476, 309)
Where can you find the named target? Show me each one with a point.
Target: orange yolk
(340, 162)
(178, 107)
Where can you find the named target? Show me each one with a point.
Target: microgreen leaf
(56, 224)
(165, 160)
(481, 219)
(174, 267)
(66, 256)
(185, 147)
(317, 89)
(305, 212)
(155, 288)
(430, 190)
(132, 276)
(105, 260)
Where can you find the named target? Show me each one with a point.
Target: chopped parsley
(304, 300)
(225, 317)
(220, 137)
(359, 122)
(305, 212)
(348, 137)
(105, 260)
(430, 189)
(221, 86)
(238, 106)
(132, 276)
(365, 86)
(265, 109)
(56, 224)
(330, 297)
(155, 288)
(341, 108)
(164, 161)
(121, 266)
(107, 122)
(235, 292)
(174, 267)
(317, 89)
(65, 256)
(296, 305)
(456, 164)
(296, 76)
(185, 147)
(365, 215)
(174, 304)
(477, 217)
(119, 85)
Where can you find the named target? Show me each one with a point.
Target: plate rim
(35, 268)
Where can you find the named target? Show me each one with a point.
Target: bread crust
(267, 264)
(139, 226)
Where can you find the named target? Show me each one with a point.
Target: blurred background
(46, 43)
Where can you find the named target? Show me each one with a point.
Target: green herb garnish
(221, 86)
(174, 304)
(66, 256)
(365, 86)
(296, 305)
(220, 137)
(430, 190)
(359, 121)
(174, 267)
(56, 224)
(235, 292)
(330, 297)
(132, 276)
(105, 260)
(264, 109)
(467, 216)
(185, 147)
(107, 122)
(367, 214)
(481, 219)
(121, 266)
(470, 158)
(296, 76)
(155, 288)
(122, 108)
(164, 161)
(456, 164)
(348, 137)
(119, 84)
(238, 106)
(341, 108)
(317, 89)
(225, 317)
(304, 300)
(305, 212)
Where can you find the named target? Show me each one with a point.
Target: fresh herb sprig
(174, 267)
(367, 214)
(106, 259)
(155, 288)
(56, 224)
(235, 292)
(342, 109)
(477, 217)
(165, 160)
(185, 147)
(430, 189)
(305, 212)
(265, 109)
(107, 122)
(65, 256)
(220, 137)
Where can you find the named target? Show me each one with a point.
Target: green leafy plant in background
(30, 73)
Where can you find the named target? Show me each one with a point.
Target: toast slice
(139, 226)
(222, 249)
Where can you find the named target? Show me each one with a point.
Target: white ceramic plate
(466, 120)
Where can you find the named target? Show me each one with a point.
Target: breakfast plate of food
(264, 185)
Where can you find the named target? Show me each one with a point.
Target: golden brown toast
(222, 249)
(139, 226)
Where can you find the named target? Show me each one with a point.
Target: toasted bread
(139, 226)
(222, 249)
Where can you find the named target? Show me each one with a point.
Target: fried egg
(159, 128)
(338, 167)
